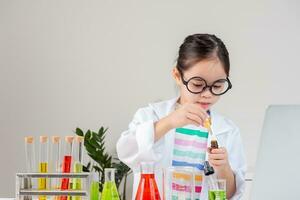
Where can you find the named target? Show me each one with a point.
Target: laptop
(277, 171)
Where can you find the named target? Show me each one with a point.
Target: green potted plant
(94, 143)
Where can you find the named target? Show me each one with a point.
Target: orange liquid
(147, 189)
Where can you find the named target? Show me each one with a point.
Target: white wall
(74, 63)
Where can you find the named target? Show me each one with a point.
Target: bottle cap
(29, 139)
(43, 139)
(55, 139)
(69, 138)
(79, 138)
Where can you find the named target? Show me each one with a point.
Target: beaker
(217, 189)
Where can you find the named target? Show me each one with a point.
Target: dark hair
(199, 47)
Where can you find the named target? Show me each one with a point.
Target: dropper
(207, 125)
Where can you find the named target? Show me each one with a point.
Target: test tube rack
(21, 192)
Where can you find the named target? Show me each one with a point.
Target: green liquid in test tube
(77, 166)
(94, 190)
(76, 183)
(94, 187)
(110, 191)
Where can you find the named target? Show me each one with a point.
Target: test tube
(55, 162)
(30, 154)
(94, 187)
(30, 163)
(67, 161)
(43, 164)
(77, 164)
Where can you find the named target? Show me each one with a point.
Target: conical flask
(110, 191)
(147, 189)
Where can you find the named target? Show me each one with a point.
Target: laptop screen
(277, 171)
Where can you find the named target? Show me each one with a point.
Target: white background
(70, 63)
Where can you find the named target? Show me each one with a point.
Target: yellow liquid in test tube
(42, 182)
(76, 182)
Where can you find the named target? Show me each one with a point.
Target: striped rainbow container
(182, 183)
(190, 145)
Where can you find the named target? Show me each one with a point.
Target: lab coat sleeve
(136, 144)
(238, 163)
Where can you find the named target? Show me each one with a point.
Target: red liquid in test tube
(66, 168)
(66, 165)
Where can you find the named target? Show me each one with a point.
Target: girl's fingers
(217, 162)
(209, 149)
(217, 156)
(198, 111)
(220, 150)
(194, 118)
(192, 122)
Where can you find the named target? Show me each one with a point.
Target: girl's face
(210, 70)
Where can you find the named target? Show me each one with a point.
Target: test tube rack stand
(21, 191)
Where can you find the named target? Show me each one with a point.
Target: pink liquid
(66, 168)
(147, 189)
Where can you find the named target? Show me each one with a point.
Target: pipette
(213, 142)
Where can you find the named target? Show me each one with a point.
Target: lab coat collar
(163, 108)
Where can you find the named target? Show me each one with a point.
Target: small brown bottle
(214, 142)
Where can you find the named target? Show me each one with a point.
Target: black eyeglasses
(196, 85)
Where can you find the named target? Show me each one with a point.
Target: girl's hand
(187, 114)
(218, 159)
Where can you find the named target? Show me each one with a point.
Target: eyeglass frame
(206, 85)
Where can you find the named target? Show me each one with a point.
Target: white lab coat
(137, 144)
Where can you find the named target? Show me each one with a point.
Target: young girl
(201, 73)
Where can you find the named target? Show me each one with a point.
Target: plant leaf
(79, 132)
(94, 143)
